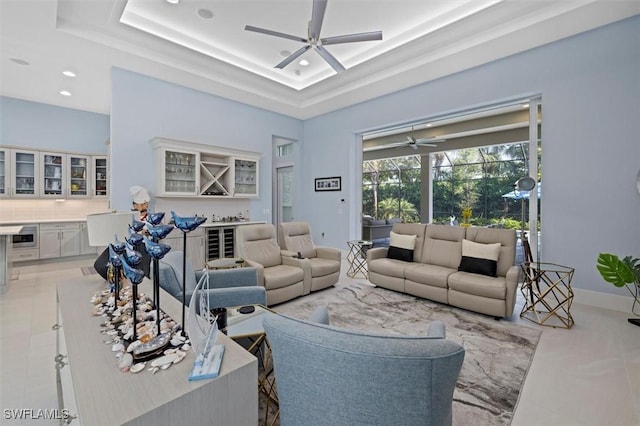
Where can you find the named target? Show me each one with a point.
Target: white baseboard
(603, 300)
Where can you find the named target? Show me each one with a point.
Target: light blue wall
(40, 126)
(143, 108)
(590, 87)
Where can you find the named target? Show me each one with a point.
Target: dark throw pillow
(478, 258)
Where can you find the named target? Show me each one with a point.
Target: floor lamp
(524, 186)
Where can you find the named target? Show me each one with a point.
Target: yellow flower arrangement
(466, 217)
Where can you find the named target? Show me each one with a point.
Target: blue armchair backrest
(327, 375)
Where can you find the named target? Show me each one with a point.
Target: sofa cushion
(507, 239)
(479, 258)
(478, 285)
(387, 267)
(443, 245)
(416, 229)
(401, 247)
(432, 275)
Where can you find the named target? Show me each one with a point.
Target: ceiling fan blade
(352, 38)
(430, 140)
(385, 146)
(274, 33)
(337, 66)
(317, 16)
(293, 56)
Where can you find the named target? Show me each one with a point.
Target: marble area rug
(497, 353)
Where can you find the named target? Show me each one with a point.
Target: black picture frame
(328, 184)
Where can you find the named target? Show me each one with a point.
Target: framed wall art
(329, 184)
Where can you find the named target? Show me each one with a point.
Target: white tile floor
(589, 375)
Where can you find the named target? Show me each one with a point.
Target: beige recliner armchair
(283, 277)
(325, 262)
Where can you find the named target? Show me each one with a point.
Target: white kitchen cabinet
(79, 175)
(24, 169)
(100, 175)
(186, 169)
(85, 248)
(177, 170)
(59, 240)
(53, 175)
(5, 172)
(245, 172)
(195, 245)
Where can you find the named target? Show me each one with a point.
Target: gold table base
(548, 294)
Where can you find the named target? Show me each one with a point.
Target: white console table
(105, 396)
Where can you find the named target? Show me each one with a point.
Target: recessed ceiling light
(297, 72)
(304, 62)
(19, 61)
(429, 124)
(525, 106)
(205, 13)
(173, 1)
(65, 93)
(285, 53)
(69, 73)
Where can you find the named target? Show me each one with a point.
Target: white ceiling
(422, 40)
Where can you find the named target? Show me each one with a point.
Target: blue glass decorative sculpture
(117, 246)
(159, 231)
(133, 256)
(154, 218)
(137, 225)
(134, 239)
(187, 224)
(156, 250)
(135, 276)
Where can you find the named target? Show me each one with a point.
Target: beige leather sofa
(434, 272)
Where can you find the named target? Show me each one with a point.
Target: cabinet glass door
(100, 176)
(24, 176)
(52, 176)
(78, 176)
(3, 172)
(180, 172)
(246, 177)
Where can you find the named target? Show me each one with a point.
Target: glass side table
(548, 295)
(357, 257)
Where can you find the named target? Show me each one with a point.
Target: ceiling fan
(313, 38)
(411, 141)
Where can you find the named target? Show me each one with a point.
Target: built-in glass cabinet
(197, 170)
(4, 172)
(100, 176)
(40, 174)
(24, 173)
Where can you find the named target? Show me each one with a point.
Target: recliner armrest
(329, 253)
(288, 253)
(305, 265)
(376, 253)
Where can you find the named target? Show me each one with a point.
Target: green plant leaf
(615, 271)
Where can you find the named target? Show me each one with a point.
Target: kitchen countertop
(28, 222)
(84, 219)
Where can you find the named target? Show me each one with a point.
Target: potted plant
(622, 273)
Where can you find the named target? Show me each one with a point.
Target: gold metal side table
(357, 257)
(548, 295)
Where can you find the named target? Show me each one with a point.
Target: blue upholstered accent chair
(229, 287)
(334, 376)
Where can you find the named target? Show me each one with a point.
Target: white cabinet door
(53, 175)
(179, 173)
(59, 240)
(79, 176)
(245, 172)
(70, 241)
(49, 243)
(100, 168)
(5, 172)
(25, 168)
(85, 248)
(195, 246)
